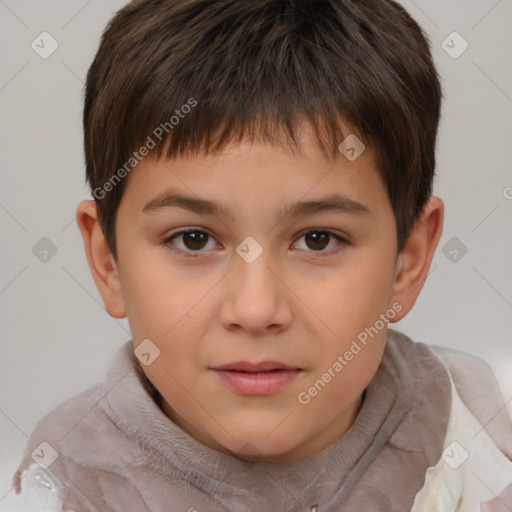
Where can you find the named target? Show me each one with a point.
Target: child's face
(301, 302)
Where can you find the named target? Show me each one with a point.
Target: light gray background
(57, 338)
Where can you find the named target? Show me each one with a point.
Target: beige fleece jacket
(432, 434)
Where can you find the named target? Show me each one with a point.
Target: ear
(413, 263)
(101, 261)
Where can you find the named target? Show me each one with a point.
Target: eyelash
(195, 254)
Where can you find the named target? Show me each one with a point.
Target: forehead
(252, 172)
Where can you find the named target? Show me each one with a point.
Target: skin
(291, 304)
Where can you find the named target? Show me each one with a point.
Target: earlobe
(104, 268)
(414, 262)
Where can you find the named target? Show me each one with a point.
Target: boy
(262, 175)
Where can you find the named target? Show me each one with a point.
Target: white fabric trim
(471, 471)
(41, 491)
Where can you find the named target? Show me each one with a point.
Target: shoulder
(58, 459)
(472, 378)
(78, 412)
(480, 391)
(38, 482)
(475, 469)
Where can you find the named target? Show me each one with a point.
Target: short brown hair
(256, 68)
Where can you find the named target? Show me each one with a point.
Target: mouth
(256, 379)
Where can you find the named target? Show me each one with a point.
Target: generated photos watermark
(342, 361)
(144, 150)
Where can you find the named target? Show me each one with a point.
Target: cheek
(371, 279)
(331, 391)
(176, 368)
(346, 309)
(352, 299)
(156, 295)
(148, 308)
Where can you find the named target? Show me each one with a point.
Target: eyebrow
(333, 202)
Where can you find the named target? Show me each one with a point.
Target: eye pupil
(317, 237)
(194, 239)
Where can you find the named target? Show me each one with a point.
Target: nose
(256, 298)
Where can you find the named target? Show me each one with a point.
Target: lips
(264, 366)
(256, 379)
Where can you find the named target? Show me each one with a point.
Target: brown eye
(195, 240)
(318, 240)
(189, 241)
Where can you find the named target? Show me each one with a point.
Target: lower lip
(257, 384)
